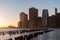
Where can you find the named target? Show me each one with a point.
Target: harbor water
(53, 35)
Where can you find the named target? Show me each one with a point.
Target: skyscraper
(55, 11)
(23, 20)
(45, 18)
(33, 17)
(39, 22)
(55, 17)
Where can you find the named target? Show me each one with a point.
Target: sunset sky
(10, 9)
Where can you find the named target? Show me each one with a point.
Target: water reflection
(53, 35)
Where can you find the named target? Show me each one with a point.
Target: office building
(23, 23)
(33, 17)
(45, 18)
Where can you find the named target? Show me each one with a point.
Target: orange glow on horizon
(6, 23)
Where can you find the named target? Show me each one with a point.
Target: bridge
(21, 33)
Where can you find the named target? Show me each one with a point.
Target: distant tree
(11, 26)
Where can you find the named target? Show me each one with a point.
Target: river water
(53, 35)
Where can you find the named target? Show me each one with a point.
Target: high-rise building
(52, 21)
(45, 18)
(58, 20)
(33, 17)
(23, 23)
(55, 11)
(39, 22)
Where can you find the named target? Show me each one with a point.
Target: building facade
(45, 18)
(55, 11)
(39, 22)
(33, 17)
(23, 23)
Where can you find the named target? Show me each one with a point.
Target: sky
(10, 9)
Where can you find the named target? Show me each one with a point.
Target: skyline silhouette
(9, 10)
(44, 11)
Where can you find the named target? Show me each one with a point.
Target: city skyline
(9, 10)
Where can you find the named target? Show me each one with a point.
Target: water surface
(53, 35)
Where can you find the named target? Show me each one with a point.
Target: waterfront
(20, 34)
(53, 35)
